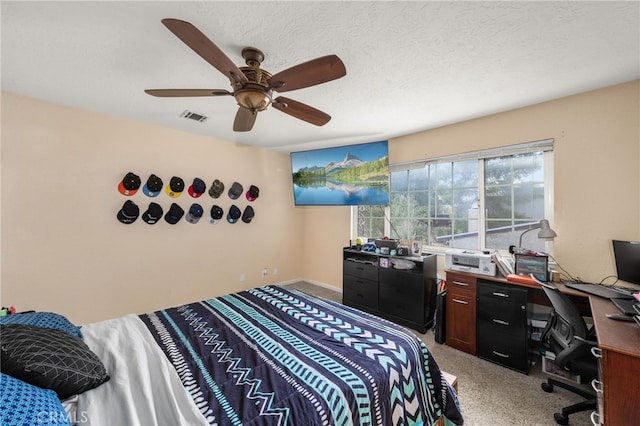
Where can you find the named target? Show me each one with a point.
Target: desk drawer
(461, 320)
(461, 282)
(504, 350)
(501, 317)
(502, 307)
(502, 293)
(488, 327)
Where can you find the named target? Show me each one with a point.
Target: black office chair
(569, 338)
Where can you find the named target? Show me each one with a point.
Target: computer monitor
(627, 255)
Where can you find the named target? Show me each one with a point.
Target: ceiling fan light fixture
(252, 86)
(254, 100)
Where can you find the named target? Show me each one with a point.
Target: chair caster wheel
(547, 387)
(561, 419)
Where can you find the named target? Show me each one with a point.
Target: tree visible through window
(514, 199)
(472, 204)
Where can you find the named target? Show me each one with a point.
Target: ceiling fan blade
(176, 93)
(204, 47)
(299, 110)
(244, 120)
(316, 71)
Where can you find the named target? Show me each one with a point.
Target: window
(472, 201)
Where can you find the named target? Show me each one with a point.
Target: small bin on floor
(549, 367)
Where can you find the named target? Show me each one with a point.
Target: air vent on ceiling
(194, 116)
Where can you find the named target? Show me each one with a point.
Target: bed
(267, 356)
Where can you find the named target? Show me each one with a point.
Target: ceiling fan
(252, 86)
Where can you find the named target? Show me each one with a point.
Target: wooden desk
(461, 312)
(619, 341)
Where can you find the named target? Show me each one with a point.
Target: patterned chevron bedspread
(276, 356)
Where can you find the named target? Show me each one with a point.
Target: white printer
(469, 261)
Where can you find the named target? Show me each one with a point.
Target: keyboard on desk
(599, 290)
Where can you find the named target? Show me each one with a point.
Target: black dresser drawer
(364, 270)
(402, 294)
(405, 296)
(358, 291)
(394, 300)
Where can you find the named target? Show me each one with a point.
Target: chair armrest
(585, 341)
(577, 350)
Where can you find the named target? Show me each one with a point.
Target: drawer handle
(594, 415)
(359, 268)
(461, 283)
(497, 321)
(500, 354)
(596, 385)
(596, 351)
(464, 302)
(495, 293)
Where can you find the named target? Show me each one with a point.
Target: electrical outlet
(275, 271)
(241, 277)
(264, 272)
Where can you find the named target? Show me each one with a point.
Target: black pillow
(50, 359)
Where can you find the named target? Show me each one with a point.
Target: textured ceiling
(411, 66)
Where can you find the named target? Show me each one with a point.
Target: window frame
(545, 146)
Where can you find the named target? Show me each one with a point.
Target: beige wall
(63, 248)
(326, 233)
(597, 178)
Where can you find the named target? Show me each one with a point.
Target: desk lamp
(545, 231)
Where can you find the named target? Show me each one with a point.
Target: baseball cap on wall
(253, 193)
(129, 212)
(175, 187)
(153, 213)
(234, 214)
(217, 188)
(195, 213)
(248, 214)
(235, 191)
(129, 184)
(197, 188)
(153, 186)
(216, 214)
(174, 214)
